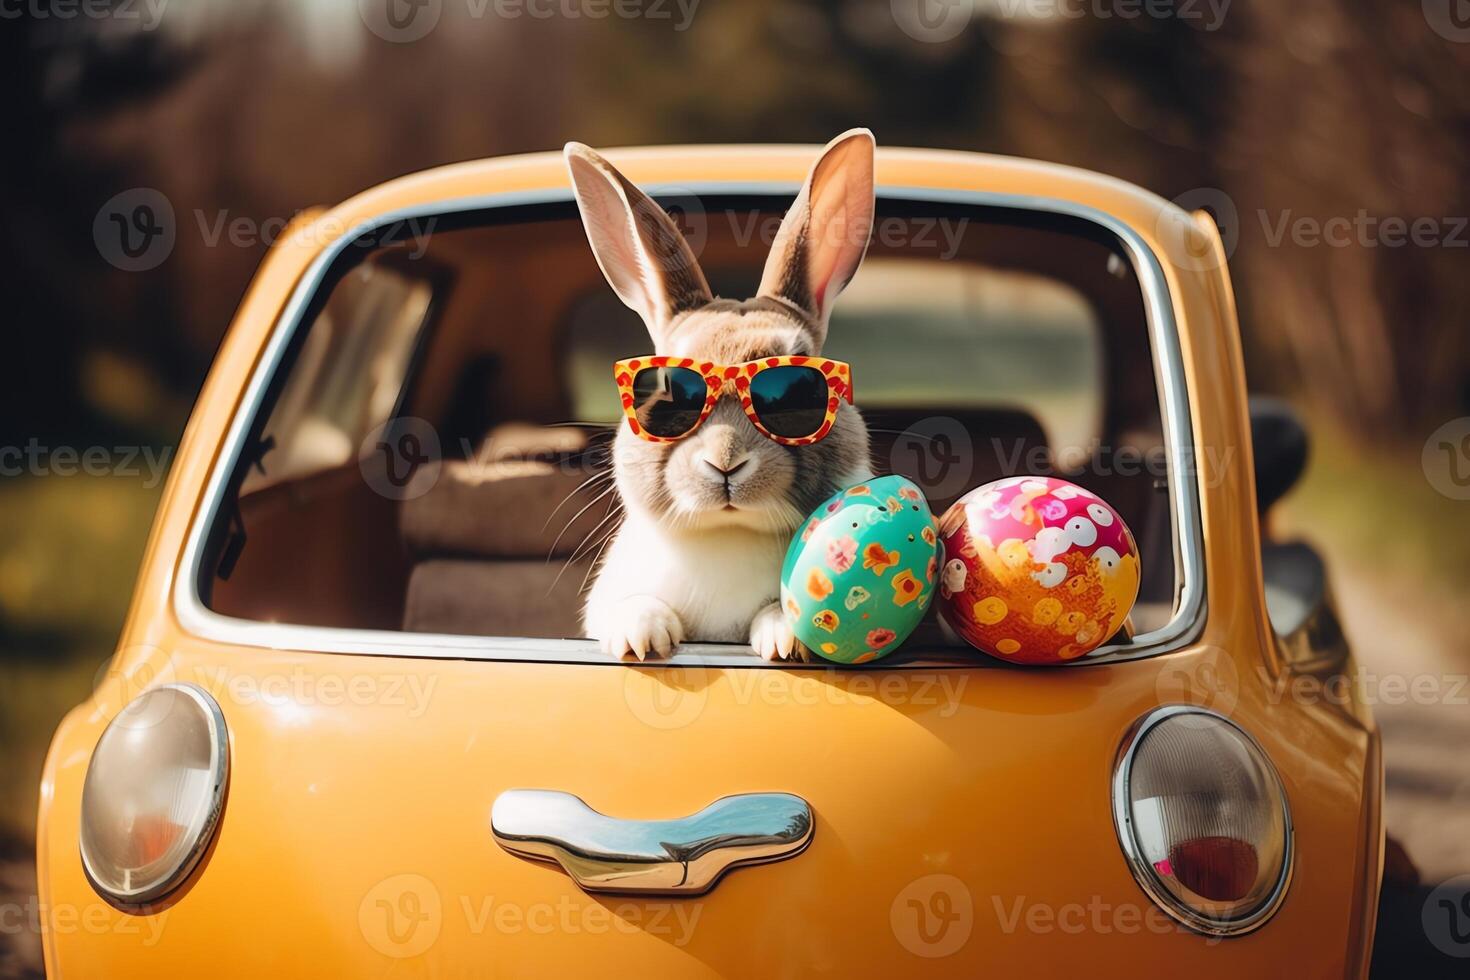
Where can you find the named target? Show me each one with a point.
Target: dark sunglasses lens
(790, 401)
(667, 401)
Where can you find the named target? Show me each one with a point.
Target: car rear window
(428, 454)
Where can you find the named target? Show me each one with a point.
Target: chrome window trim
(1181, 629)
(1144, 873)
(137, 900)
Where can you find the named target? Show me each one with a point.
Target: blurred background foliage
(256, 109)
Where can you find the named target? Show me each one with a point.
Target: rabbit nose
(724, 470)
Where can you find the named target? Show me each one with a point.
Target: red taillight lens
(1203, 819)
(1221, 869)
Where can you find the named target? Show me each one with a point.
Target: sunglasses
(791, 399)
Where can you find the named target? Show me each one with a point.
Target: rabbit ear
(823, 237)
(641, 251)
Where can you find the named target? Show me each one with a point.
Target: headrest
(528, 492)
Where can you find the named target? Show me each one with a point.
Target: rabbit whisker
(573, 519)
(577, 552)
(613, 514)
(596, 559)
(591, 482)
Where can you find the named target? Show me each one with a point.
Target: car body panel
(996, 777)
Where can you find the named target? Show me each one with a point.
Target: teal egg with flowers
(861, 572)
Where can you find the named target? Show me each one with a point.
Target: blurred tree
(1361, 112)
(60, 75)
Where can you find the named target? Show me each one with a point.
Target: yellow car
(352, 727)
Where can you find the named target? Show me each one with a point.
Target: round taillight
(153, 793)
(1203, 820)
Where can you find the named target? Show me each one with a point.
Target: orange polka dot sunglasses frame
(796, 408)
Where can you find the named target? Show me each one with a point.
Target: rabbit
(707, 519)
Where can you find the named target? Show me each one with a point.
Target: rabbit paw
(771, 636)
(640, 625)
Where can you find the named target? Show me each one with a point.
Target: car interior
(431, 454)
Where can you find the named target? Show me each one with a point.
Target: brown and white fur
(708, 519)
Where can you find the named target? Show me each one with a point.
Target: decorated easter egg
(1036, 570)
(861, 572)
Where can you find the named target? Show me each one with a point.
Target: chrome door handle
(681, 857)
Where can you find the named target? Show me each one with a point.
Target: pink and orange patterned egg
(1037, 570)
